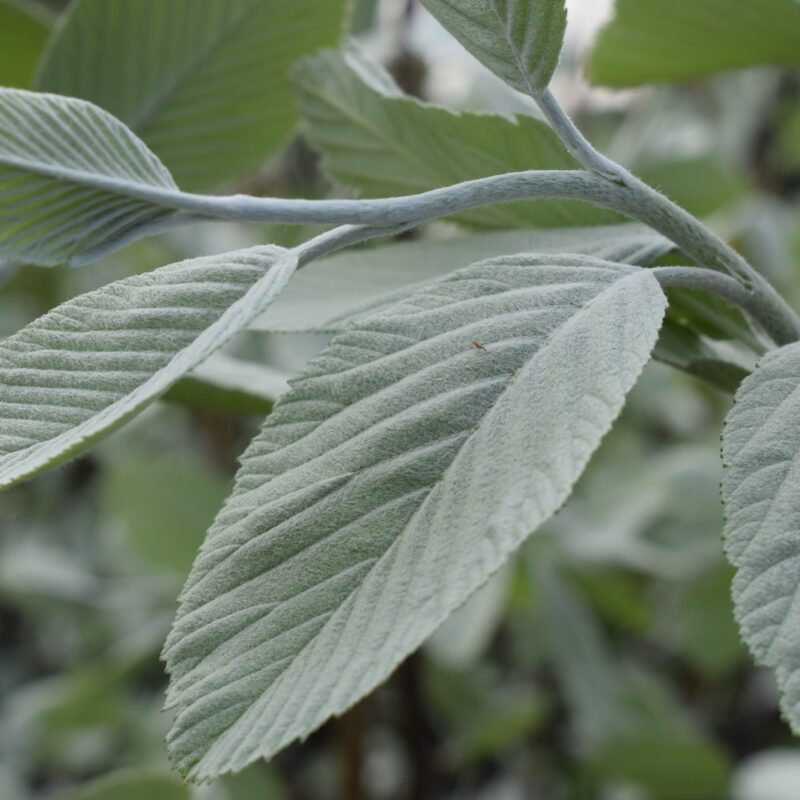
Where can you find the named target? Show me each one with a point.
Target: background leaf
(163, 506)
(224, 383)
(203, 82)
(24, 31)
(669, 40)
(331, 293)
(335, 557)
(518, 40)
(378, 140)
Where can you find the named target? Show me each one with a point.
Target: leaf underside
(90, 364)
(406, 463)
(203, 82)
(519, 40)
(70, 174)
(761, 493)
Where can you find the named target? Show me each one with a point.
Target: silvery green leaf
(203, 82)
(382, 142)
(761, 494)
(84, 368)
(519, 40)
(333, 292)
(72, 178)
(405, 465)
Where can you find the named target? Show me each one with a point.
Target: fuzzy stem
(695, 239)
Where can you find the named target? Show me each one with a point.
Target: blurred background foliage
(603, 662)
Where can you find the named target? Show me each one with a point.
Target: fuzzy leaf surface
(203, 82)
(405, 465)
(93, 362)
(72, 178)
(519, 40)
(761, 494)
(382, 142)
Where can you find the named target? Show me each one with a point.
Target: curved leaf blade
(761, 494)
(398, 474)
(84, 368)
(203, 82)
(72, 178)
(519, 40)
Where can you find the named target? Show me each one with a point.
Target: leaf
(718, 363)
(23, 32)
(162, 505)
(675, 40)
(628, 725)
(223, 383)
(518, 40)
(72, 178)
(90, 364)
(681, 764)
(378, 140)
(331, 293)
(702, 185)
(203, 82)
(702, 628)
(398, 474)
(761, 494)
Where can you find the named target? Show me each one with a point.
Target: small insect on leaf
(478, 346)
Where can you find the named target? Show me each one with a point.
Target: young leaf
(408, 461)
(669, 40)
(23, 31)
(203, 82)
(331, 293)
(382, 142)
(72, 178)
(518, 40)
(761, 493)
(87, 366)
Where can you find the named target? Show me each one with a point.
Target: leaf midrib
(138, 191)
(513, 49)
